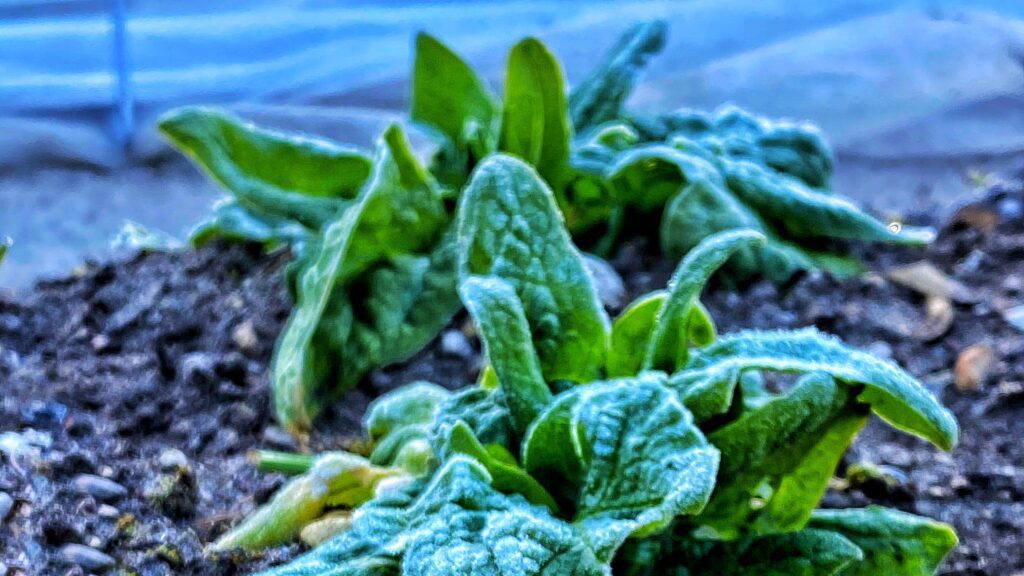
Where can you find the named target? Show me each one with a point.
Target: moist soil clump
(133, 389)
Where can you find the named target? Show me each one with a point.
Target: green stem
(284, 462)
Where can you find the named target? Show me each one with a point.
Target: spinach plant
(615, 173)
(642, 445)
(374, 276)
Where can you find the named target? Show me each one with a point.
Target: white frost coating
(458, 526)
(641, 461)
(892, 393)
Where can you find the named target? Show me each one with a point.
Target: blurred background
(921, 100)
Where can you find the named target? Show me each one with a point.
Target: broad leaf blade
(668, 347)
(600, 97)
(233, 221)
(705, 208)
(634, 453)
(788, 449)
(506, 336)
(805, 553)
(894, 543)
(486, 413)
(414, 404)
(510, 228)
(446, 93)
(892, 393)
(458, 525)
(647, 176)
(804, 212)
(534, 124)
(631, 333)
(298, 178)
(399, 212)
(506, 477)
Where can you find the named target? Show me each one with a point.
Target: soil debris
(106, 372)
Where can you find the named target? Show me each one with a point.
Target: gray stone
(172, 459)
(1010, 208)
(107, 511)
(1015, 317)
(86, 557)
(6, 505)
(880, 349)
(100, 488)
(609, 285)
(455, 343)
(198, 369)
(274, 437)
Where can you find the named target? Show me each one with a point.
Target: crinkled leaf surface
(781, 456)
(894, 543)
(401, 421)
(797, 149)
(414, 404)
(806, 553)
(804, 211)
(399, 213)
(505, 332)
(892, 393)
(704, 208)
(649, 175)
(388, 313)
(510, 228)
(293, 177)
(633, 452)
(535, 123)
(600, 97)
(697, 204)
(483, 410)
(458, 526)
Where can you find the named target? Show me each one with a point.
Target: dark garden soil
(106, 373)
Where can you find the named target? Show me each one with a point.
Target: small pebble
(880, 349)
(1013, 284)
(274, 437)
(48, 414)
(172, 459)
(98, 487)
(26, 443)
(100, 342)
(1010, 390)
(455, 343)
(86, 557)
(1010, 208)
(245, 337)
(1015, 317)
(197, 369)
(107, 511)
(6, 506)
(611, 290)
